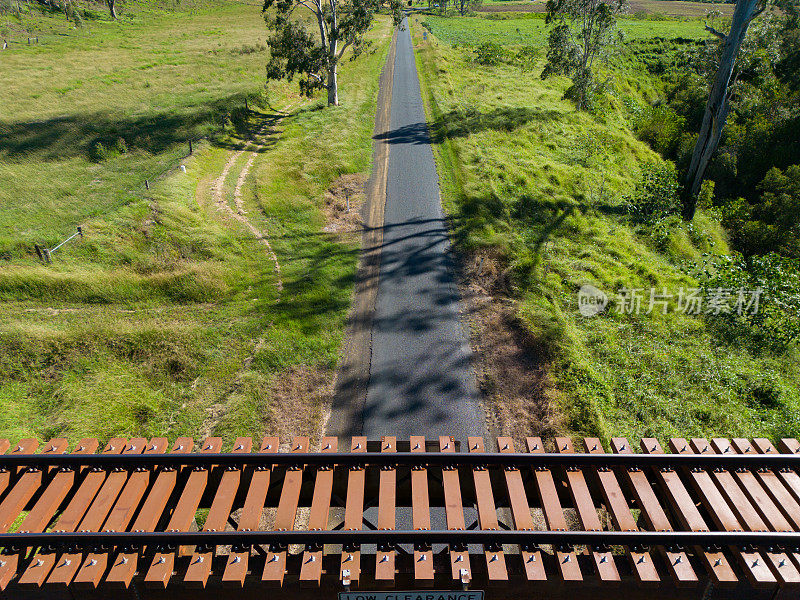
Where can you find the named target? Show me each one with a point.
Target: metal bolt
(678, 561)
(782, 563)
(565, 447)
(236, 559)
(424, 557)
(494, 558)
(603, 559)
(594, 447)
(199, 560)
(161, 560)
(622, 447)
(536, 446)
(385, 558)
(274, 558)
(240, 447)
(327, 446)
(566, 559)
(718, 562)
(92, 562)
(532, 558)
(641, 559)
(311, 559)
(755, 563)
(505, 447)
(268, 446)
(358, 446)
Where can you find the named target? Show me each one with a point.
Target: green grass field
(539, 186)
(670, 8)
(167, 318)
(530, 29)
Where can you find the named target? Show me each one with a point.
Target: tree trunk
(112, 8)
(333, 86)
(717, 107)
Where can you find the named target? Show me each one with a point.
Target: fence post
(146, 184)
(247, 108)
(190, 146)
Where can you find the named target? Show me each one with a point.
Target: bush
(771, 224)
(662, 128)
(526, 58)
(120, 146)
(656, 194)
(98, 152)
(777, 318)
(489, 54)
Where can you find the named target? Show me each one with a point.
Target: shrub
(777, 318)
(662, 128)
(489, 54)
(120, 146)
(526, 58)
(98, 152)
(656, 193)
(771, 224)
(705, 199)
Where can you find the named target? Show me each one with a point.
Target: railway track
(398, 513)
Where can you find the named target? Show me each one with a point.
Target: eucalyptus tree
(718, 105)
(583, 30)
(314, 56)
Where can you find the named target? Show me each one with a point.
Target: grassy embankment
(538, 189)
(167, 318)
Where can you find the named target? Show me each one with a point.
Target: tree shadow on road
(461, 123)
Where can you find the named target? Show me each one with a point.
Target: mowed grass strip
(537, 188)
(166, 318)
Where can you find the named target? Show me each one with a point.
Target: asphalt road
(421, 381)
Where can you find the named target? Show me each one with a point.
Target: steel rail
(345, 459)
(640, 538)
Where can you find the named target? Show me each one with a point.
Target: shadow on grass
(69, 136)
(461, 123)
